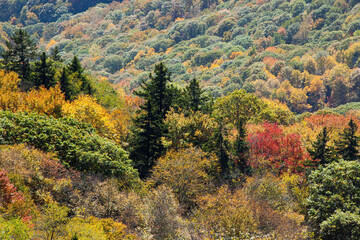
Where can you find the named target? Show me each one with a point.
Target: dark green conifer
(55, 54)
(194, 95)
(44, 73)
(347, 146)
(21, 50)
(241, 148)
(150, 127)
(65, 85)
(221, 149)
(320, 150)
(76, 70)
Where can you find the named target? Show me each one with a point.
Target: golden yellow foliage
(234, 55)
(186, 172)
(150, 52)
(168, 50)
(298, 99)
(110, 26)
(50, 44)
(10, 97)
(86, 109)
(179, 19)
(97, 229)
(121, 120)
(44, 101)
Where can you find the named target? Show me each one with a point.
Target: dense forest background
(195, 119)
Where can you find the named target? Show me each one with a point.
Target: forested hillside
(293, 51)
(196, 119)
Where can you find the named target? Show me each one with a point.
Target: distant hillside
(29, 12)
(304, 53)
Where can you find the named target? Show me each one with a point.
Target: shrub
(334, 201)
(76, 143)
(186, 172)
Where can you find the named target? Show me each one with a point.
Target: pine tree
(76, 70)
(150, 127)
(221, 147)
(320, 150)
(241, 148)
(55, 54)
(75, 66)
(347, 146)
(65, 84)
(193, 95)
(44, 73)
(21, 50)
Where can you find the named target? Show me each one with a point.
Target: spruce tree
(347, 146)
(44, 73)
(221, 147)
(55, 54)
(21, 50)
(77, 71)
(193, 95)
(241, 148)
(320, 150)
(150, 127)
(65, 85)
(195, 98)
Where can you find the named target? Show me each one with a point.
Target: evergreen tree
(44, 73)
(241, 148)
(150, 128)
(195, 98)
(65, 84)
(221, 147)
(347, 146)
(55, 54)
(320, 150)
(75, 66)
(21, 50)
(193, 95)
(76, 71)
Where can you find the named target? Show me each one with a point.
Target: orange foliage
(269, 61)
(271, 49)
(234, 55)
(44, 101)
(51, 43)
(282, 31)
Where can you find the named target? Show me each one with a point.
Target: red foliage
(11, 201)
(272, 149)
(54, 169)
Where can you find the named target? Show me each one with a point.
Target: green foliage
(76, 143)
(341, 225)
(203, 58)
(114, 63)
(53, 221)
(158, 96)
(14, 229)
(333, 198)
(44, 72)
(347, 146)
(320, 149)
(21, 49)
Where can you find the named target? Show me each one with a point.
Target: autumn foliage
(273, 150)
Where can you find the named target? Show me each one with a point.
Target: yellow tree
(86, 109)
(10, 97)
(187, 172)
